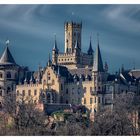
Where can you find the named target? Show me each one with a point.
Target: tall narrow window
(84, 100)
(91, 100)
(8, 89)
(72, 90)
(29, 92)
(79, 101)
(95, 100)
(35, 92)
(1, 75)
(61, 86)
(79, 91)
(8, 75)
(17, 92)
(67, 91)
(99, 100)
(0, 92)
(23, 92)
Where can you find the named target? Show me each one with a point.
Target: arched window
(84, 100)
(67, 102)
(0, 105)
(8, 75)
(1, 75)
(49, 98)
(0, 91)
(17, 92)
(79, 90)
(67, 91)
(44, 82)
(61, 86)
(8, 89)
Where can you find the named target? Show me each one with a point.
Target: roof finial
(7, 42)
(122, 68)
(49, 61)
(98, 38)
(55, 44)
(90, 38)
(134, 64)
(55, 36)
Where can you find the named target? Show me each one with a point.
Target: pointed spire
(122, 68)
(31, 79)
(7, 57)
(98, 63)
(55, 46)
(25, 80)
(106, 67)
(90, 50)
(38, 79)
(76, 45)
(49, 61)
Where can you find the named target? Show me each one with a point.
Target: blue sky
(31, 29)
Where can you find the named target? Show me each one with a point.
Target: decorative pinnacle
(98, 38)
(90, 38)
(55, 36)
(7, 43)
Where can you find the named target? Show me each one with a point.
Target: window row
(29, 92)
(79, 90)
(91, 100)
(65, 59)
(8, 75)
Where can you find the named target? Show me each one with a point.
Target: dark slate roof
(7, 57)
(63, 72)
(98, 64)
(122, 78)
(80, 71)
(135, 73)
(90, 50)
(28, 75)
(111, 77)
(127, 76)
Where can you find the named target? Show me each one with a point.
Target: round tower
(8, 76)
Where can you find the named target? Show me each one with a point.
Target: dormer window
(8, 75)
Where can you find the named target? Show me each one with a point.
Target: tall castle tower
(72, 34)
(8, 76)
(73, 57)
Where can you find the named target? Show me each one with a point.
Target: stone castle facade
(72, 77)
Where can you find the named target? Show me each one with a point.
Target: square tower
(72, 34)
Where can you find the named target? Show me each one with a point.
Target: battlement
(73, 24)
(27, 85)
(66, 54)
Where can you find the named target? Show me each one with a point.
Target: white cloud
(123, 17)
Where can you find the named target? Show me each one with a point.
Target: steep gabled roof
(98, 63)
(90, 50)
(55, 46)
(7, 57)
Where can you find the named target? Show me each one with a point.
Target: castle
(72, 77)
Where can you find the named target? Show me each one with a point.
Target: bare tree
(120, 120)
